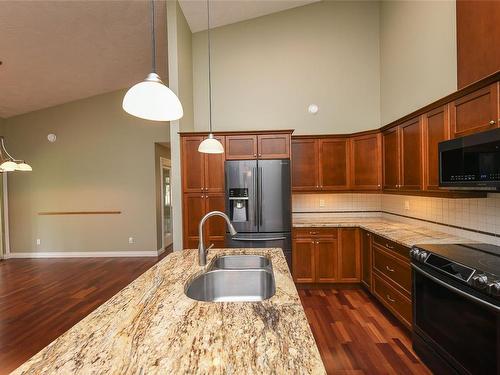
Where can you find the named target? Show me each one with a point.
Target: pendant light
(151, 99)
(210, 145)
(8, 163)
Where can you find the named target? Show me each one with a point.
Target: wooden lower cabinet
(326, 255)
(395, 301)
(195, 206)
(349, 257)
(365, 239)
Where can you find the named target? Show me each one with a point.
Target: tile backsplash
(476, 214)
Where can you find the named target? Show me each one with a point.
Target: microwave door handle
(456, 290)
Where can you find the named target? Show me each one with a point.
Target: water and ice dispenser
(238, 205)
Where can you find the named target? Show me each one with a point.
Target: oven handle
(258, 239)
(456, 290)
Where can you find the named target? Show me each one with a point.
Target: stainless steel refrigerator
(258, 203)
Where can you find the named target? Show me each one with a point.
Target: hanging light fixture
(210, 145)
(151, 99)
(8, 163)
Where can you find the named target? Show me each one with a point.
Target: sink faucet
(202, 251)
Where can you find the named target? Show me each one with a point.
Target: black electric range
(456, 307)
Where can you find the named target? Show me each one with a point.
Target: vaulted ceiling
(53, 52)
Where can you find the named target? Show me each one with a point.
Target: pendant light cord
(153, 38)
(209, 71)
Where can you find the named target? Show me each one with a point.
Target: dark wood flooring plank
(356, 335)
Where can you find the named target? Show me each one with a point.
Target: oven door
(452, 322)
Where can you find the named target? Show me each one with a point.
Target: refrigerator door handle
(260, 197)
(258, 239)
(255, 204)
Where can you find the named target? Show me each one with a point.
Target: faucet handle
(208, 248)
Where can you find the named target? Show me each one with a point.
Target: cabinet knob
(254, 155)
(492, 122)
(378, 185)
(201, 189)
(260, 154)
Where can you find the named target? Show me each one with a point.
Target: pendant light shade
(8, 166)
(211, 146)
(151, 99)
(8, 163)
(24, 167)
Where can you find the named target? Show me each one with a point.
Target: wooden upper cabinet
(390, 140)
(273, 146)
(411, 155)
(475, 112)
(478, 38)
(366, 162)
(241, 147)
(214, 170)
(436, 125)
(305, 164)
(261, 146)
(334, 163)
(193, 165)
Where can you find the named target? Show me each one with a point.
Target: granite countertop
(402, 233)
(152, 327)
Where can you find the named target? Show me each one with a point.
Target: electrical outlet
(407, 205)
(38, 241)
(131, 240)
(322, 203)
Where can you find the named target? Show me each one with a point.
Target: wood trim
(447, 99)
(239, 132)
(47, 213)
(345, 135)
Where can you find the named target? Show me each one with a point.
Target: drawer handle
(390, 299)
(389, 269)
(313, 232)
(389, 246)
(492, 122)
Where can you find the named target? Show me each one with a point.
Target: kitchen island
(152, 327)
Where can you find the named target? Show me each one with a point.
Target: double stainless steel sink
(234, 278)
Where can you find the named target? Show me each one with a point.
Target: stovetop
(479, 256)
(475, 264)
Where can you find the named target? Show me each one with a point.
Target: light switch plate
(322, 203)
(407, 205)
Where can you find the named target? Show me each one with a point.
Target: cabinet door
(192, 212)
(436, 129)
(215, 227)
(333, 164)
(349, 259)
(475, 112)
(411, 155)
(303, 260)
(304, 164)
(193, 163)
(366, 258)
(326, 260)
(241, 147)
(390, 140)
(214, 170)
(477, 35)
(366, 163)
(273, 146)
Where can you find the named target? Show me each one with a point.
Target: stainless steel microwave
(471, 162)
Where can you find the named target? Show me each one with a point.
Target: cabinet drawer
(314, 232)
(396, 302)
(394, 268)
(389, 245)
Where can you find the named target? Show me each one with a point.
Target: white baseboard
(83, 254)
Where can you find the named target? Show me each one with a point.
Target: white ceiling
(225, 12)
(54, 52)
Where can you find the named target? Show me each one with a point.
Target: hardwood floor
(355, 335)
(42, 298)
